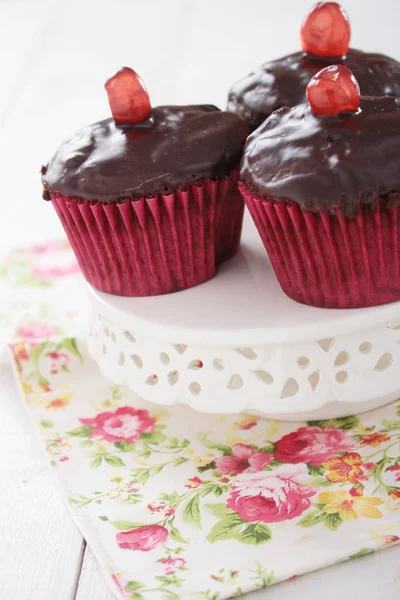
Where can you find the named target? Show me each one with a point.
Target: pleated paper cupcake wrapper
(154, 245)
(331, 261)
(188, 506)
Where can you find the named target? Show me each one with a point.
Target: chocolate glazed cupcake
(149, 199)
(322, 183)
(325, 40)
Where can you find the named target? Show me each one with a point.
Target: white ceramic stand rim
(346, 354)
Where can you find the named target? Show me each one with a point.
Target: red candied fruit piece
(128, 97)
(326, 30)
(332, 91)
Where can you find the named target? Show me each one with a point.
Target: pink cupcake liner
(156, 245)
(331, 261)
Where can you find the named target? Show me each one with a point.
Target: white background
(55, 56)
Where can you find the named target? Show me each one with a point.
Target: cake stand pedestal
(238, 344)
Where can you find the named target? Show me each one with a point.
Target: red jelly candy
(326, 30)
(128, 97)
(332, 91)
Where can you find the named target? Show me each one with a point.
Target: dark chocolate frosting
(283, 82)
(180, 145)
(325, 163)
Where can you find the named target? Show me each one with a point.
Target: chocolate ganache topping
(179, 145)
(325, 163)
(283, 82)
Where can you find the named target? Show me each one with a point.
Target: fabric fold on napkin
(177, 504)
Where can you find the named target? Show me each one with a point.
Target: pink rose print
(396, 469)
(171, 564)
(48, 248)
(53, 260)
(142, 538)
(125, 424)
(58, 360)
(244, 459)
(193, 483)
(312, 445)
(156, 506)
(32, 332)
(161, 506)
(370, 466)
(269, 496)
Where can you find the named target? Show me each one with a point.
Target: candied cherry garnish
(332, 91)
(128, 97)
(326, 30)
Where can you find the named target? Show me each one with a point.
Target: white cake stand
(238, 344)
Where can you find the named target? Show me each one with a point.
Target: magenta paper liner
(328, 260)
(154, 245)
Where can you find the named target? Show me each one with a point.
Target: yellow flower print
(344, 468)
(272, 429)
(245, 423)
(59, 401)
(235, 439)
(26, 387)
(189, 451)
(392, 504)
(350, 507)
(117, 477)
(374, 439)
(200, 462)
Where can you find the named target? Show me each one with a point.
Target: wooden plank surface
(40, 550)
(54, 58)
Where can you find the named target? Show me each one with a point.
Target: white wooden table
(55, 56)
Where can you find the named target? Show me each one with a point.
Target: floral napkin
(177, 504)
(181, 505)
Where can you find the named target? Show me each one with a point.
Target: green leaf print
(37, 351)
(361, 552)
(46, 423)
(315, 470)
(71, 345)
(225, 529)
(143, 475)
(126, 525)
(114, 461)
(333, 521)
(175, 535)
(390, 425)
(134, 585)
(313, 518)
(86, 444)
(218, 509)
(342, 423)
(96, 462)
(82, 431)
(225, 450)
(319, 482)
(153, 438)
(191, 512)
(254, 533)
(125, 446)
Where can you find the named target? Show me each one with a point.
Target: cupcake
(322, 183)
(325, 37)
(149, 198)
